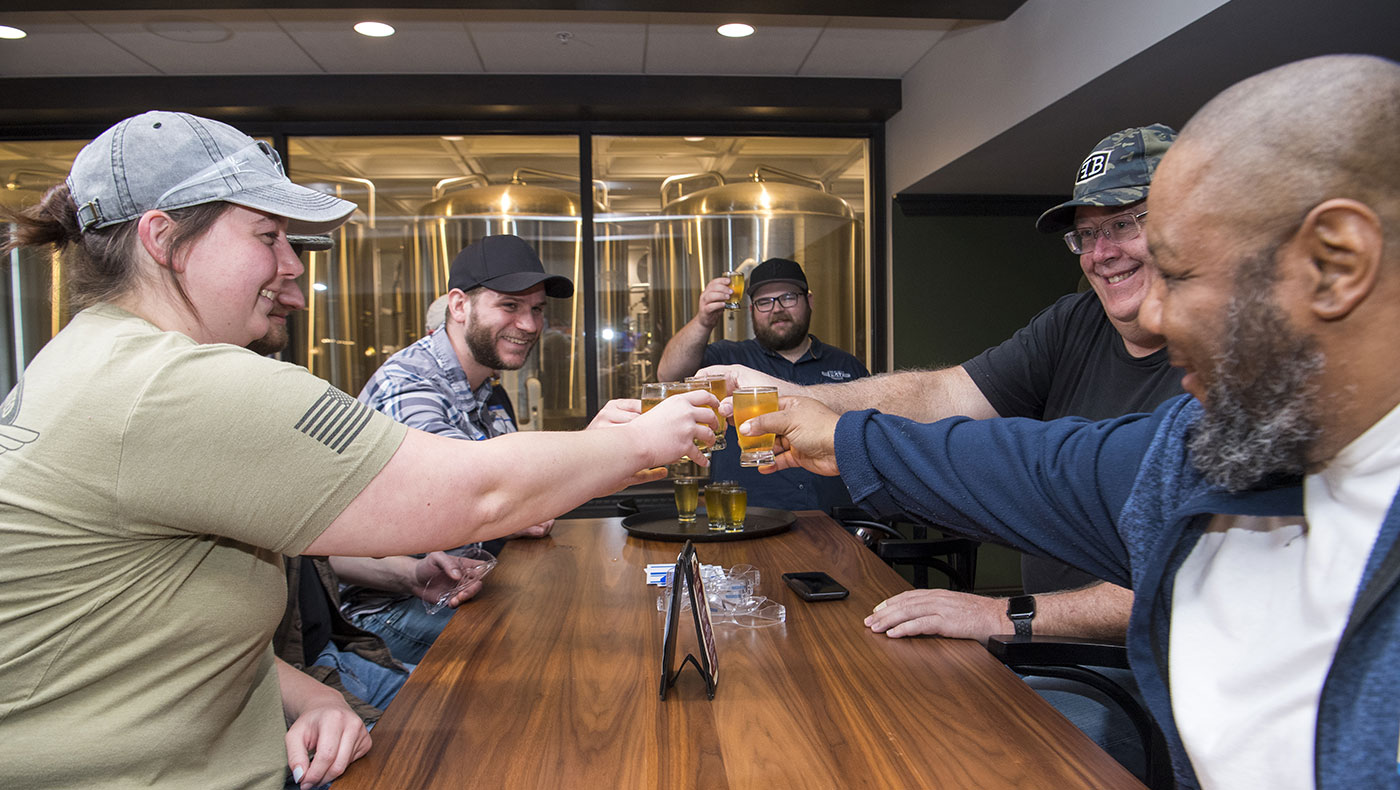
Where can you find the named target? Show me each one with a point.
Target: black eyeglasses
(1124, 227)
(786, 299)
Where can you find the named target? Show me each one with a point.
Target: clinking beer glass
(676, 388)
(736, 284)
(749, 402)
(718, 387)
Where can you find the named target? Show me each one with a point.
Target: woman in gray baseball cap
(154, 471)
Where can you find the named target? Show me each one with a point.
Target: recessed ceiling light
(735, 30)
(694, 139)
(189, 30)
(374, 29)
(11, 32)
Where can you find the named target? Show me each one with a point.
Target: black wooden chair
(1073, 658)
(955, 558)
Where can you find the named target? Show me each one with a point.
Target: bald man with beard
(1254, 518)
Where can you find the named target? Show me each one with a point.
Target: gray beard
(1261, 412)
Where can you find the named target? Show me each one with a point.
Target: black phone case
(795, 581)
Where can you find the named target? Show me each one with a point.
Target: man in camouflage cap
(1086, 355)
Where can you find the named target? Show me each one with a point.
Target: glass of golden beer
(714, 507)
(687, 498)
(749, 402)
(676, 388)
(652, 393)
(718, 387)
(736, 284)
(736, 506)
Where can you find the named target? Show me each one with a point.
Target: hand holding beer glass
(718, 387)
(749, 402)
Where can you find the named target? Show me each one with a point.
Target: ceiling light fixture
(735, 30)
(374, 29)
(11, 32)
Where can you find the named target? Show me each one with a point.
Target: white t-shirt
(1257, 610)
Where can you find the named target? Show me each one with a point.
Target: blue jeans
(405, 627)
(1098, 716)
(365, 679)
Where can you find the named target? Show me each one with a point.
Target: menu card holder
(687, 577)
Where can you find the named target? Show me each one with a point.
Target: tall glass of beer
(749, 402)
(718, 387)
(736, 506)
(676, 388)
(736, 284)
(715, 506)
(687, 498)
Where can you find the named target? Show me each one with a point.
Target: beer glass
(736, 501)
(749, 402)
(714, 507)
(736, 284)
(687, 498)
(652, 393)
(718, 387)
(677, 387)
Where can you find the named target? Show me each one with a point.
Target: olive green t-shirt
(149, 486)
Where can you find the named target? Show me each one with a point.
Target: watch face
(1021, 606)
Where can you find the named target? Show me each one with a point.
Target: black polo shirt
(793, 489)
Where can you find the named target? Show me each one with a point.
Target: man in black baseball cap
(780, 308)
(447, 383)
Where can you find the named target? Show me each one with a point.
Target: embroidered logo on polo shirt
(837, 375)
(1094, 166)
(13, 437)
(335, 419)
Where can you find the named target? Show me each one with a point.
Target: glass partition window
(421, 200)
(32, 280)
(681, 211)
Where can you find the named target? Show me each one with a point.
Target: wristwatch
(1021, 611)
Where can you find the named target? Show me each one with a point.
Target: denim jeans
(1098, 716)
(365, 679)
(405, 627)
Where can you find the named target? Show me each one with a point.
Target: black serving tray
(663, 524)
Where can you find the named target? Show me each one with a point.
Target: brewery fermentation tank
(711, 226)
(549, 392)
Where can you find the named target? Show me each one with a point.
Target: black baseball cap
(777, 270)
(507, 264)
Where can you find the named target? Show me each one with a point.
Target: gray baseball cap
(1116, 173)
(170, 160)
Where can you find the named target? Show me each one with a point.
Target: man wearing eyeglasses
(780, 305)
(1087, 355)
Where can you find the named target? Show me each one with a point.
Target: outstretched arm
(1098, 611)
(685, 350)
(923, 395)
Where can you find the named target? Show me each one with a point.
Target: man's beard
(481, 342)
(271, 343)
(1261, 410)
(783, 339)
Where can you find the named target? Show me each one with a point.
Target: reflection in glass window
(683, 211)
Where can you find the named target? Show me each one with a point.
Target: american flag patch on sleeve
(335, 419)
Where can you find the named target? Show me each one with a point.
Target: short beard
(481, 342)
(779, 340)
(271, 343)
(1261, 410)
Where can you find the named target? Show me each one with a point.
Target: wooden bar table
(550, 678)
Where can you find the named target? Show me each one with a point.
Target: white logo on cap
(1094, 166)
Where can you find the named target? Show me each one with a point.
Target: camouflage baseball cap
(1116, 173)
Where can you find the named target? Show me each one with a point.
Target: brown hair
(100, 261)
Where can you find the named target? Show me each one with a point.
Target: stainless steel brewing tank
(713, 230)
(550, 220)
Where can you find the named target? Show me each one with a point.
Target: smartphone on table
(815, 586)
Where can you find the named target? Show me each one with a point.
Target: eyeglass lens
(787, 299)
(1125, 227)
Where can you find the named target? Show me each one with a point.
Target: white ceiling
(454, 41)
